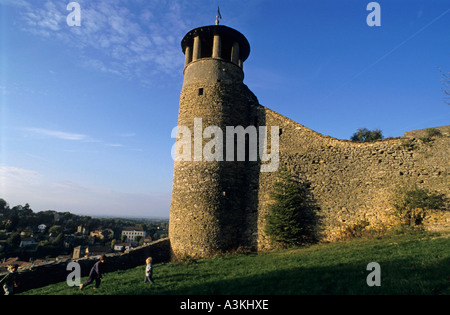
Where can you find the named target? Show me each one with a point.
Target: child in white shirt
(149, 270)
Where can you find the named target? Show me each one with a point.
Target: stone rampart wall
(36, 276)
(355, 182)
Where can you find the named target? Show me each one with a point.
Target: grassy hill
(414, 263)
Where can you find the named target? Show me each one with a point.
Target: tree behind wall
(366, 135)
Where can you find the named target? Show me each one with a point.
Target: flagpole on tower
(218, 16)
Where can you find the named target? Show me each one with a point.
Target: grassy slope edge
(414, 263)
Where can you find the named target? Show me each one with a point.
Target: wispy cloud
(141, 43)
(44, 20)
(127, 134)
(71, 136)
(10, 174)
(16, 3)
(59, 134)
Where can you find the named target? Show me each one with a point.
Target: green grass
(416, 263)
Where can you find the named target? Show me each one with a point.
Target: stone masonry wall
(215, 207)
(220, 206)
(355, 182)
(209, 207)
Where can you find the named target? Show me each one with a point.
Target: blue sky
(86, 113)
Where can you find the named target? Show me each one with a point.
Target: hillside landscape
(158, 150)
(412, 263)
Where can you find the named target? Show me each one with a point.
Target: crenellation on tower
(217, 42)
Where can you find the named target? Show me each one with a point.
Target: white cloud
(44, 20)
(112, 38)
(17, 3)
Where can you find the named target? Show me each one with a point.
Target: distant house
(80, 252)
(132, 232)
(42, 227)
(101, 234)
(81, 230)
(27, 242)
(97, 234)
(89, 251)
(14, 261)
(118, 247)
(148, 240)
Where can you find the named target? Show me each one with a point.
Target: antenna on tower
(218, 16)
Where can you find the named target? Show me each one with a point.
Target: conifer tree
(291, 217)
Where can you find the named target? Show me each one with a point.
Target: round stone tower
(212, 188)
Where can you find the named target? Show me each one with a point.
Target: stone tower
(213, 197)
(220, 200)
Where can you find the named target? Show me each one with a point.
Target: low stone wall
(36, 276)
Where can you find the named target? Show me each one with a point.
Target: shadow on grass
(401, 277)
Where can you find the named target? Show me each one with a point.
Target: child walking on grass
(96, 274)
(10, 280)
(148, 270)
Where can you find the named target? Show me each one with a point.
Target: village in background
(28, 237)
